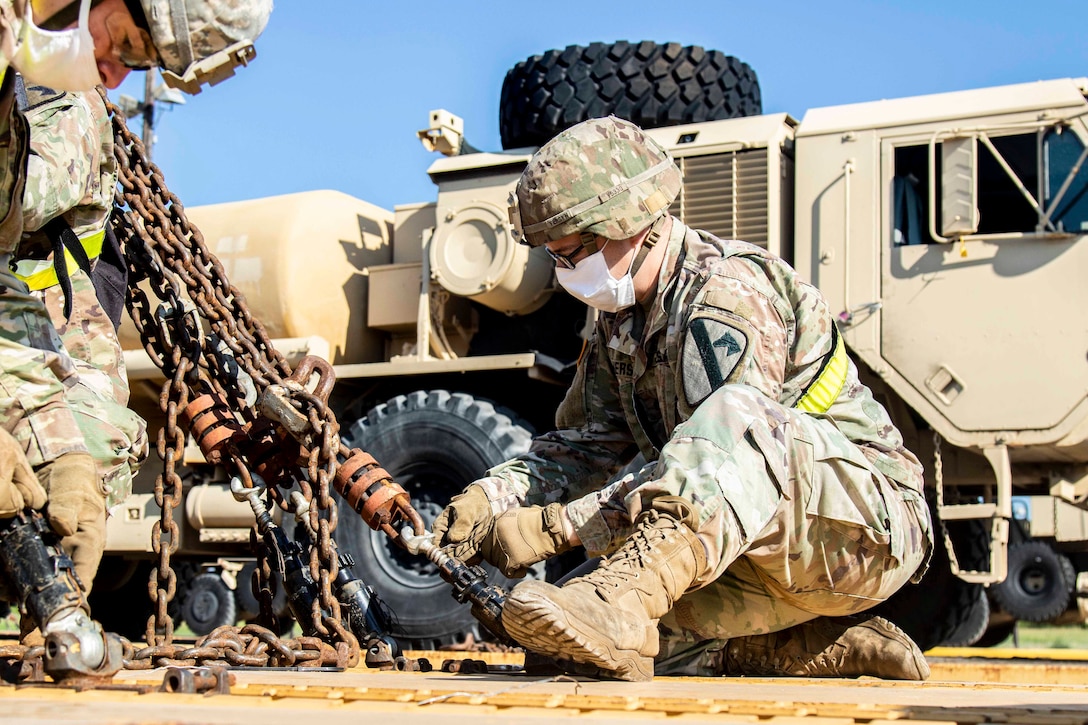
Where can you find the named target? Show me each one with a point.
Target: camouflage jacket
(14, 136)
(645, 372)
(71, 171)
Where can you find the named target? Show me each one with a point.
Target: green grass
(1043, 636)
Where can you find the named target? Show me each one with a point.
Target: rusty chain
(219, 364)
(217, 357)
(192, 289)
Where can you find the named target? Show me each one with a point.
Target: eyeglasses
(565, 260)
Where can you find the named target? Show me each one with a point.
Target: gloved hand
(19, 487)
(72, 484)
(464, 523)
(77, 511)
(522, 537)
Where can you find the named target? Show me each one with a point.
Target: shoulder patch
(726, 300)
(41, 95)
(713, 353)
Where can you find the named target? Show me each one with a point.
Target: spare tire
(1039, 583)
(433, 443)
(646, 83)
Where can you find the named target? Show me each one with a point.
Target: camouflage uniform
(31, 378)
(72, 173)
(803, 512)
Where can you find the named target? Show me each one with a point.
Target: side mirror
(959, 187)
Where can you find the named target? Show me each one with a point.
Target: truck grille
(725, 194)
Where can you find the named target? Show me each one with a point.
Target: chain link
(219, 362)
(196, 324)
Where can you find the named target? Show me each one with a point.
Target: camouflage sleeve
(65, 155)
(591, 442)
(736, 331)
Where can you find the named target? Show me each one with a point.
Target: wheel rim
(1034, 580)
(416, 572)
(205, 606)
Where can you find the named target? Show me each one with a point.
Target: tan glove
(464, 523)
(72, 484)
(77, 511)
(19, 487)
(522, 537)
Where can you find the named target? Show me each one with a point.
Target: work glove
(521, 537)
(72, 484)
(19, 487)
(77, 511)
(464, 523)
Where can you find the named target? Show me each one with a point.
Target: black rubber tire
(931, 611)
(1039, 583)
(974, 623)
(650, 84)
(122, 606)
(996, 634)
(209, 603)
(433, 444)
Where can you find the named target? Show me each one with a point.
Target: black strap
(110, 277)
(21, 101)
(62, 237)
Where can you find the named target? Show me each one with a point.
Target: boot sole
(539, 624)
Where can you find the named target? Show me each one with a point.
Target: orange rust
(379, 506)
(212, 425)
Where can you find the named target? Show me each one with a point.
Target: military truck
(948, 231)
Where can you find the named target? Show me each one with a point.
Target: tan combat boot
(608, 618)
(861, 644)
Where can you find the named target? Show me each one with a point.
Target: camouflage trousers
(88, 336)
(55, 404)
(796, 520)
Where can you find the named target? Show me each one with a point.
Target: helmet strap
(589, 241)
(648, 243)
(179, 21)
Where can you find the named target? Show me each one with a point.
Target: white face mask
(63, 59)
(591, 282)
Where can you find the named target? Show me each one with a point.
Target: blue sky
(340, 87)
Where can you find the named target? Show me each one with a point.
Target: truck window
(1064, 150)
(1002, 207)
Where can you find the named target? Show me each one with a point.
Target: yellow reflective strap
(47, 277)
(825, 389)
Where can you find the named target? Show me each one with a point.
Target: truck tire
(646, 83)
(208, 603)
(1039, 583)
(119, 598)
(996, 634)
(433, 444)
(974, 623)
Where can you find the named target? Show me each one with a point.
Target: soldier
(73, 431)
(71, 176)
(778, 502)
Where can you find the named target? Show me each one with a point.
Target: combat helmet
(203, 41)
(197, 41)
(603, 177)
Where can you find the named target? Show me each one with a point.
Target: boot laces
(798, 651)
(635, 555)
